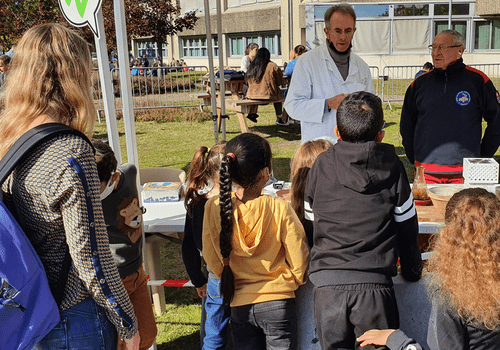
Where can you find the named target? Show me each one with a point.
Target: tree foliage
(152, 18)
(144, 18)
(20, 15)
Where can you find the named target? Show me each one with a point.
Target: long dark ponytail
(246, 156)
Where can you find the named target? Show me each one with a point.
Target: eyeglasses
(347, 32)
(441, 47)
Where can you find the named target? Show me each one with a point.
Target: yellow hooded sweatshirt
(269, 251)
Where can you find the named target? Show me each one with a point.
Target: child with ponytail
(257, 246)
(202, 184)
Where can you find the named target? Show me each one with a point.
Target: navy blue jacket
(441, 121)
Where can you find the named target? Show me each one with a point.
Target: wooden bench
(247, 103)
(244, 107)
(206, 97)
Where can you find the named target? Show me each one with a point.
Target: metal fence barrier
(375, 76)
(155, 87)
(168, 87)
(396, 79)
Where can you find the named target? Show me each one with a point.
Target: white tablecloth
(164, 217)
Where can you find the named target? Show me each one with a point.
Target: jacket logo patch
(498, 97)
(463, 98)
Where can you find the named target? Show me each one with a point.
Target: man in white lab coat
(322, 77)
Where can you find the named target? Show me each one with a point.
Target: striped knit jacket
(54, 194)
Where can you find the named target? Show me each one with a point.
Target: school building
(388, 33)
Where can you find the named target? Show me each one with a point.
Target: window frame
(201, 46)
(313, 15)
(248, 38)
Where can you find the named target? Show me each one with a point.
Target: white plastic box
(480, 171)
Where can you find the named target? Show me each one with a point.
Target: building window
(487, 35)
(457, 9)
(237, 46)
(407, 28)
(372, 11)
(411, 10)
(149, 49)
(197, 47)
(459, 26)
(271, 41)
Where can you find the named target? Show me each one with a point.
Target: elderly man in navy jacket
(441, 121)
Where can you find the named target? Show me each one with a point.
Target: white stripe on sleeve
(308, 213)
(406, 211)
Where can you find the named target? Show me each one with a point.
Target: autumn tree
(156, 18)
(151, 18)
(20, 15)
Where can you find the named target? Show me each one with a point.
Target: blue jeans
(217, 317)
(83, 326)
(271, 325)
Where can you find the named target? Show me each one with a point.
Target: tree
(20, 15)
(156, 18)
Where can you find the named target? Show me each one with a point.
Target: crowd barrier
(396, 79)
(167, 87)
(155, 87)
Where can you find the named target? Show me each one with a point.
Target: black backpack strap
(21, 148)
(28, 141)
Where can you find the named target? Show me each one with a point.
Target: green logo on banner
(81, 5)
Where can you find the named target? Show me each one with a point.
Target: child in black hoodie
(364, 219)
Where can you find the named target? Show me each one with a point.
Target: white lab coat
(316, 78)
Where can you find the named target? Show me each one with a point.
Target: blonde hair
(49, 74)
(466, 260)
(303, 160)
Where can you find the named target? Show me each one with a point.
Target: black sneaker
(280, 121)
(253, 117)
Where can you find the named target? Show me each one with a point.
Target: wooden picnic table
(235, 101)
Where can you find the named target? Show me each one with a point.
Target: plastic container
(480, 171)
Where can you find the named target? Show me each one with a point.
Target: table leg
(153, 256)
(242, 121)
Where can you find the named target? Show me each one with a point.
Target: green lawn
(173, 144)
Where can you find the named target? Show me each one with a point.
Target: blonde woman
(49, 82)
(250, 52)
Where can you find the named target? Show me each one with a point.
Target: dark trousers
(344, 312)
(270, 325)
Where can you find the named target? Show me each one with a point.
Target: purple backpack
(28, 309)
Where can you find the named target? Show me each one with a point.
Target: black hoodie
(364, 216)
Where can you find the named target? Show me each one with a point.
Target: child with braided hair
(257, 245)
(202, 184)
